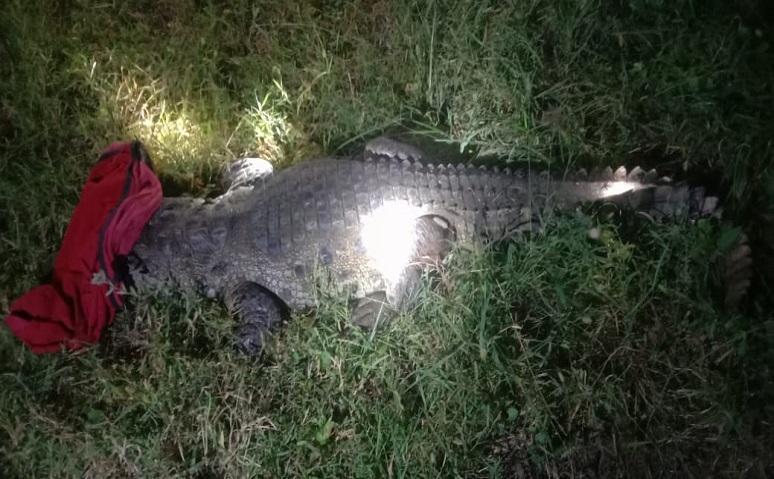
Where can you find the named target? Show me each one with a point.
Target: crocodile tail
(663, 201)
(647, 193)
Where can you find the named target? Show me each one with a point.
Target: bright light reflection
(618, 188)
(389, 236)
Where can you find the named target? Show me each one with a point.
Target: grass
(548, 356)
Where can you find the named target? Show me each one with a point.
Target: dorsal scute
(636, 175)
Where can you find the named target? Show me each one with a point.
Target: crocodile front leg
(257, 313)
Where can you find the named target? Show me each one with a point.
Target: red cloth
(118, 199)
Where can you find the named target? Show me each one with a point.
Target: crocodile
(371, 222)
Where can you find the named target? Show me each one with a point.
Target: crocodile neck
(165, 254)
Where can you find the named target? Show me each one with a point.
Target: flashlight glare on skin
(389, 236)
(389, 233)
(618, 188)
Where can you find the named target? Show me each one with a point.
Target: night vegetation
(556, 355)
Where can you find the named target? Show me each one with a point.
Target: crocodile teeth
(620, 174)
(636, 174)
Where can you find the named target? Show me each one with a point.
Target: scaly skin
(356, 217)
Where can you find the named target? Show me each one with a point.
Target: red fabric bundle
(118, 199)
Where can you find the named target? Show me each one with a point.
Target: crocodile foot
(256, 312)
(372, 310)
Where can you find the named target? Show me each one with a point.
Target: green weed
(555, 355)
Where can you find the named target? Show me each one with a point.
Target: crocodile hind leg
(245, 172)
(434, 236)
(256, 312)
(387, 147)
